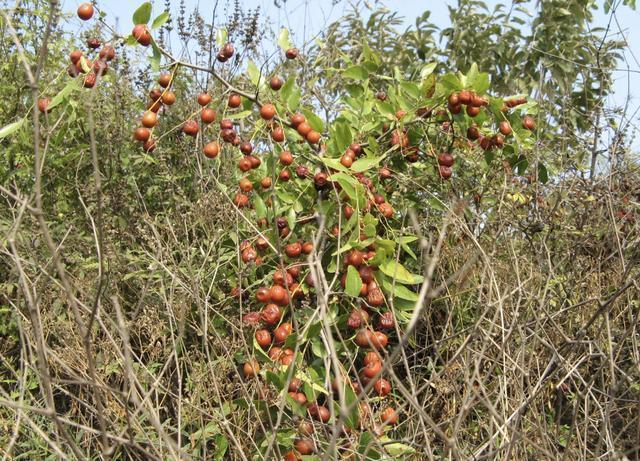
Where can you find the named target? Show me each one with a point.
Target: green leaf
(334, 164)
(221, 36)
(354, 282)
(399, 291)
(69, 88)
(284, 41)
(543, 174)
(255, 76)
(11, 128)
(260, 207)
(239, 115)
(160, 20)
(365, 164)
(156, 57)
(313, 120)
(342, 135)
(356, 73)
(397, 271)
(350, 398)
(142, 14)
(221, 444)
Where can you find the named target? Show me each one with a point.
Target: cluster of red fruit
(80, 64)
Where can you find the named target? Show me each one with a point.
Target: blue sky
(305, 18)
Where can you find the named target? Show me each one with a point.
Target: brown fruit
(445, 171)
(320, 413)
(277, 134)
(229, 136)
(297, 119)
(348, 211)
(248, 254)
(455, 109)
(366, 274)
(372, 370)
(263, 338)
(291, 53)
(386, 321)
(386, 210)
(149, 145)
(43, 104)
(473, 133)
(275, 353)
(291, 456)
(302, 171)
(293, 250)
(255, 161)
(262, 293)
(107, 53)
(142, 34)
(379, 340)
(267, 111)
(304, 129)
(473, 111)
(245, 185)
(168, 98)
(242, 201)
(190, 127)
(282, 333)
(75, 56)
(307, 248)
(90, 80)
(382, 387)
(286, 158)
(204, 99)
(445, 159)
(299, 397)
(226, 124)
(164, 80)
(385, 173)
(346, 161)
(371, 357)
(306, 428)
(246, 148)
(313, 137)
(295, 385)
(305, 446)
(505, 128)
(211, 149)
(149, 119)
(275, 83)
(265, 182)
(357, 318)
(389, 416)
(528, 123)
(363, 338)
(234, 100)
(278, 295)
(100, 67)
(271, 314)
(399, 137)
(251, 369)
(85, 11)
(227, 50)
(454, 99)
(208, 115)
(155, 94)
(381, 95)
(464, 97)
(141, 134)
(93, 43)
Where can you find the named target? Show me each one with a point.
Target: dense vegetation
(376, 245)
